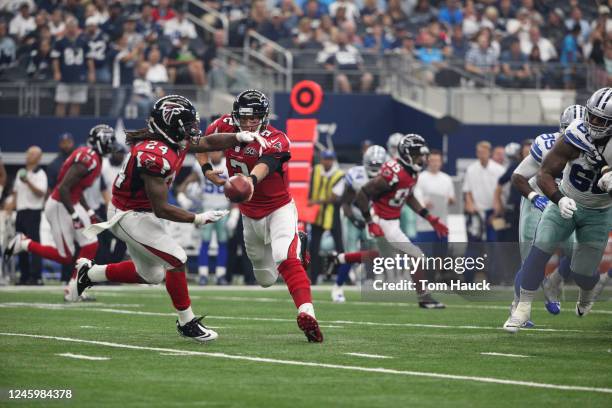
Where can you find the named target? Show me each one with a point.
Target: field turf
(413, 357)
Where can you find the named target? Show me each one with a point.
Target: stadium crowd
(141, 47)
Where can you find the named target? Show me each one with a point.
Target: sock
(307, 308)
(185, 316)
(297, 281)
(49, 252)
(564, 267)
(357, 257)
(342, 274)
(124, 272)
(221, 256)
(97, 273)
(87, 252)
(585, 282)
(555, 278)
(527, 295)
(203, 259)
(532, 271)
(517, 286)
(176, 285)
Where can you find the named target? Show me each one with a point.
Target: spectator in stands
(290, 13)
(28, 199)
(134, 38)
(471, 20)
(231, 78)
(482, 59)
(157, 72)
(101, 11)
(546, 48)
(347, 60)
(8, 51)
(258, 15)
(40, 63)
(274, 28)
(534, 14)
(350, 29)
(451, 13)
(72, 68)
(351, 10)
(146, 25)
(430, 55)
(56, 23)
(520, 26)
(422, 14)
(314, 10)
(235, 10)
(576, 18)
(184, 66)
(571, 54)
(507, 12)
(113, 26)
(123, 63)
(377, 40)
(554, 29)
(499, 155)
(515, 72)
(407, 49)
(143, 95)
(179, 26)
(2, 176)
(98, 41)
(163, 12)
(459, 44)
(76, 9)
(23, 23)
(326, 189)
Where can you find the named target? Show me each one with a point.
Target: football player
(140, 200)
(270, 216)
(533, 204)
(66, 209)
(582, 205)
(388, 192)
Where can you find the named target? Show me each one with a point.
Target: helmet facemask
(599, 127)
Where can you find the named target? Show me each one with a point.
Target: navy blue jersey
(72, 55)
(98, 46)
(123, 71)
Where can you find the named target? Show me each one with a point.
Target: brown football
(238, 189)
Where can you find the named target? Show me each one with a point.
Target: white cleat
(519, 317)
(70, 291)
(586, 299)
(337, 294)
(15, 246)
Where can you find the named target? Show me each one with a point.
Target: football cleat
(553, 307)
(222, 281)
(71, 292)
(196, 330)
(528, 324)
(83, 265)
(552, 292)
(586, 299)
(14, 246)
(519, 317)
(426, 301)
(203, 281)
(304, 254)
(309, 325)
(337, 294)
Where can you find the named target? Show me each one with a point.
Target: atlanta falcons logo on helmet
(169, 109)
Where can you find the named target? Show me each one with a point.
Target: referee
(28, 198)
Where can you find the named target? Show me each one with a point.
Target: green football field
(123, 350)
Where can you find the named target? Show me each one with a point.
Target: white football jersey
(539, 150)
(581, 175)
(213, 197)
(356, 177)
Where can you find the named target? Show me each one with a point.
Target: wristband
(556, 196)
(206, 167)
(254, 178)
(424, 212)
(532, 195)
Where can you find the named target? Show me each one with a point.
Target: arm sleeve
(278, 152)
(528, 167)
(505, 178)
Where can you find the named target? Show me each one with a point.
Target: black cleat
(196, 330)
(304, 254)
(428, 302)
(331, 260)
(83, 265)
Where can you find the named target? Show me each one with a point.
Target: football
(238, 189)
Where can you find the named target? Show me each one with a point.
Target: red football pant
(297, 281)
(49, 252)
(176, 285)
(124, 272)
(360, 256)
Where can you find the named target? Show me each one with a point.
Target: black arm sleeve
(274, 161)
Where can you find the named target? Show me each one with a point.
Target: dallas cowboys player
(583, 205)
(534, 201)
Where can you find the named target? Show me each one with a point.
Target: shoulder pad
(577, 135)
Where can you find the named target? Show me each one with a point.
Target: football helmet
(373, 159)
(251, 104)
(102, 139)
(598, 116)
(569, 114)
(412, 151)
(392, 144)
(175, 119)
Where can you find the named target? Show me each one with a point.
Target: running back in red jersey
(270, 193)
(153, 157)
(389, 205)
(88, 158)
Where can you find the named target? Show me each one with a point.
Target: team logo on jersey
(278, 146)
(169, 109)
(250, 151)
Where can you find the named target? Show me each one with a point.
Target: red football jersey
(90, 159)
(389, 205)
(270, 193)
(152, 157)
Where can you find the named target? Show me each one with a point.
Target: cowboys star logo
(169, 109)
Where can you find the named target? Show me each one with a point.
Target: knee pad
(265, 277)
(154, 275)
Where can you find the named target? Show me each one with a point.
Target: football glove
(438, 226)
(540, 202)
(77, 223)
(374, 230)
(209, 216)
(567, 206)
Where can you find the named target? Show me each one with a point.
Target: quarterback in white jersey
(583, 205)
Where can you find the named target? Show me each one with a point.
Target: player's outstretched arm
(74, 174)
(222, 141)
(372, 189)
(526, 169)
(553, 166)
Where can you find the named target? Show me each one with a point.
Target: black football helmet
(102, 139)
(175, 119)
(410, 148)
(251, 103)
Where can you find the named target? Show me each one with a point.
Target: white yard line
(491, 353)
(367, 355)
(490, 380)
(332, 322)
(82, 357)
